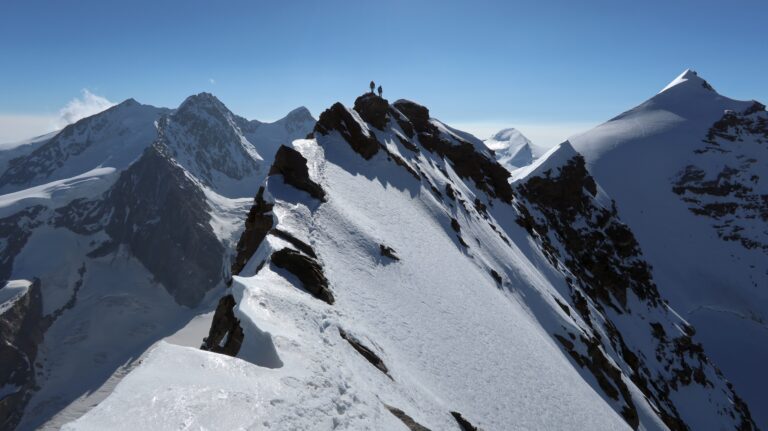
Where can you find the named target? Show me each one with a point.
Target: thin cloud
(212, 81)
(14, 129)
(86, 105)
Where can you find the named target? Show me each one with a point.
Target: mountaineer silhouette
(380, 91)
(373, 85)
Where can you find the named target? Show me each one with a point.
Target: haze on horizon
(550, 69)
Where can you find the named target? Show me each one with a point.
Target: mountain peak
(690, 78)
(506, 138)
(554, 159)
(203, 100)
(129, 102)
(300, 114)
(511, 148)
(506, 134)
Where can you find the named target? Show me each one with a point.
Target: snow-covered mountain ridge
(390, 277)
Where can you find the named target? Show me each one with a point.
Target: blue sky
(559, 66)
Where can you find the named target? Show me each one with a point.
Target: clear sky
(550, 68)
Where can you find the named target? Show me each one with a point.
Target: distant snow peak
(508, 134)
(513, 150)
(86, 105)
(300, 113)
(201, 101)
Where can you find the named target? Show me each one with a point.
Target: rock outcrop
(293, 167)
(225, 335)
(22, 326)
(306, 269)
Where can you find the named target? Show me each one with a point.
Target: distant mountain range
(379, 269)
(123, 222)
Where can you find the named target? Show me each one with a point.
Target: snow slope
(389, 276)
(687, 169)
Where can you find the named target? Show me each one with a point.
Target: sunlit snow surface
(452, 340)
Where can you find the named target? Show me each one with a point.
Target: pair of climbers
(373, 85)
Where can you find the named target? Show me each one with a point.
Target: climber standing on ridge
(380, 91)
(373, 85)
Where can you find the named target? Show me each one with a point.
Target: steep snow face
(389, 274)
(113, 138)
(512, 148)
(229, 162)
(687, 169)
(126, 220)
(687, 75)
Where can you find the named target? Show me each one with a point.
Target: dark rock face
(455, 225)
(307, 270)
(407, 420)
(15, 230)
(337, 118)
(388, 252)
(487, 174)
(605, 253)
(299, 244)
(159, 213)
(163, 217)
(373, 109)
(22, 327)
(496, 276)
(367, 353)
(226, 334)
(607, 375)
(154, 209)
(725, 183)
(754, 108)
(257, 225)
(602, 254)
(464, 424)
(417, 115)
(293, 167)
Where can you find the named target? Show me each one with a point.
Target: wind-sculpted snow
(524, 306)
